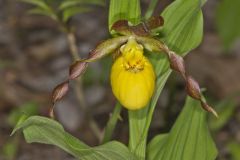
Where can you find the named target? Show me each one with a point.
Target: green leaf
(29, 109)
(73, 7)
(227, 22)
(183, 31)
(72, 11)
(156, 145)
(72, 3)
(189, 138)
(40, 11)
(44, 130)
(42, 8)
(234, 148)
(183, 28)
(124, 9)
(38, 3)
(9, 150)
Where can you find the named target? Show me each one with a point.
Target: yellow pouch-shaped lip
(132, 77)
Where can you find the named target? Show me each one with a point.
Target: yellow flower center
(132, 77)
(132, 54)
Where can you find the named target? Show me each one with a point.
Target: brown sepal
(122, 27)
(154, 22)
(141, 29)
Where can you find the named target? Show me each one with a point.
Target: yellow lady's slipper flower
(132, 76)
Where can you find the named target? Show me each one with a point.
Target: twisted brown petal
(177, 63)
(192, 86)
(59, 91)
(106, 47)
(77, 69)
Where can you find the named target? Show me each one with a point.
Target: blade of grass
(112, 123)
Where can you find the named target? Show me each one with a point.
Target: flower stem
(78, 86)
(73, 45)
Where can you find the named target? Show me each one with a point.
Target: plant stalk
(78, 86)
(112, 123)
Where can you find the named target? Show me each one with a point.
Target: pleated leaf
(74, 3)
(39, 3)
(226, 22)
(72, 11)
(41, 8)
(124, 10)
(40, 11)
(44, 130)
(182, 32)
(189, 138)
(183, 28)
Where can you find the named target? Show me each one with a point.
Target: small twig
(72, 45)
(78, 85)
